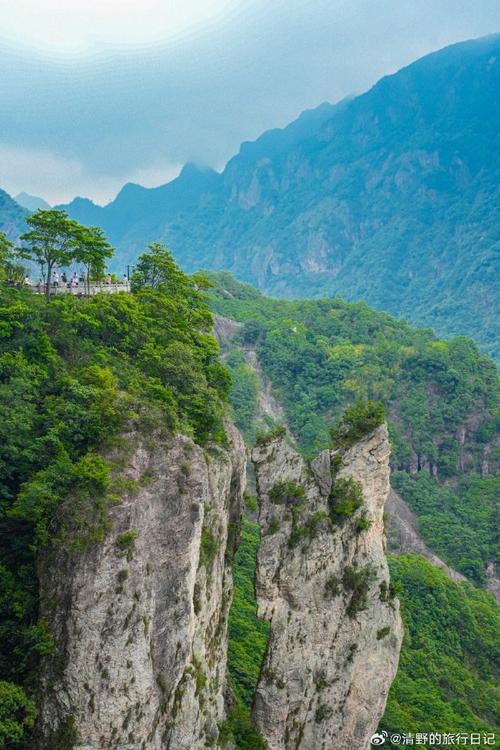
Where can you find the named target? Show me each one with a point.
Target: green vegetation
(332, 587)
(328, 357)
(264, 438)
(358, 420)
(244, 393)
(287, 493)
(240, 729)
(449, 666)
(209, 546)
(383, 632)
(75, 374)
(17, 714)
(459, 521)
(346, 497)
(247, 634)
(53, 239)
(247, 641)
(126, 543)
(356, 581)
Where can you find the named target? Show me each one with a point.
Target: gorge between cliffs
(140, 620)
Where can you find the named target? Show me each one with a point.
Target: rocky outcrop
(323, 582)
(403, 536)
(140, 620)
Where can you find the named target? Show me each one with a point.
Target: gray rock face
(403, 535)
(335, 627)
(140, 620)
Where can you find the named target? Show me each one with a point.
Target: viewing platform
(80, 289)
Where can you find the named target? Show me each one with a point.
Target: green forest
(321, 356)
(441, 397)
(76, 373)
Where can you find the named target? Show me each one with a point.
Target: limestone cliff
(140, 620)
(323, 582)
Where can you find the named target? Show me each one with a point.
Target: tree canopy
(76, 375)
(54, 240)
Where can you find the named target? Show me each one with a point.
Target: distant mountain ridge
(391, 196)
(31, 202)
(12, 217)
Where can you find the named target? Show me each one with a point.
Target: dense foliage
(247, 642)
(358, 420)
(54, 240)
(441, 399)
(74, 374)
(450, 660)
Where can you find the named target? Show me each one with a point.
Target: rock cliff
(323, 582)
(140, 620)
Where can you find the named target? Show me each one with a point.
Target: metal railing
(79, 289)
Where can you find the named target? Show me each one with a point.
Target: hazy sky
(96, 93)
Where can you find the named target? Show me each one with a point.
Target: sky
(98, 93)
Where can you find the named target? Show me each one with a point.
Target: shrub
(358, 420)
(264, 438)
(362, 524)
(239, 729)
(383, 632)
(250, 502)
(332, 587)
(17, 715)
(126, 542)
(322, 712)
(357, 580)
(209, 546)
(287, 493)
(274, 525)
(346, 496)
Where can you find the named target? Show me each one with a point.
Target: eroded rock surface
(140, 620)
(324, 585)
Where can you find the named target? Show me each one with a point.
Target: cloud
(54, 177)
(142, 96)
(82, 26)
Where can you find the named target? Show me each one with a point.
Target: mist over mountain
(31, 202)
(12, 216)
(391, 197)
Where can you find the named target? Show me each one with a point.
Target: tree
(52, 239)
(92, 250)
(9, 269)
(17, 715)
(157, 270)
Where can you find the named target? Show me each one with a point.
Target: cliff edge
(323, 583)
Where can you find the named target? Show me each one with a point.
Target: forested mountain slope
(106, 403)
(12, 217)
(391, 197)
(442, 400)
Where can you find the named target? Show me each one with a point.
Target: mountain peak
(190, 170)
(31, 202)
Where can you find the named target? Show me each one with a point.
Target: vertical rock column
(140, 620)
(323, 583)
